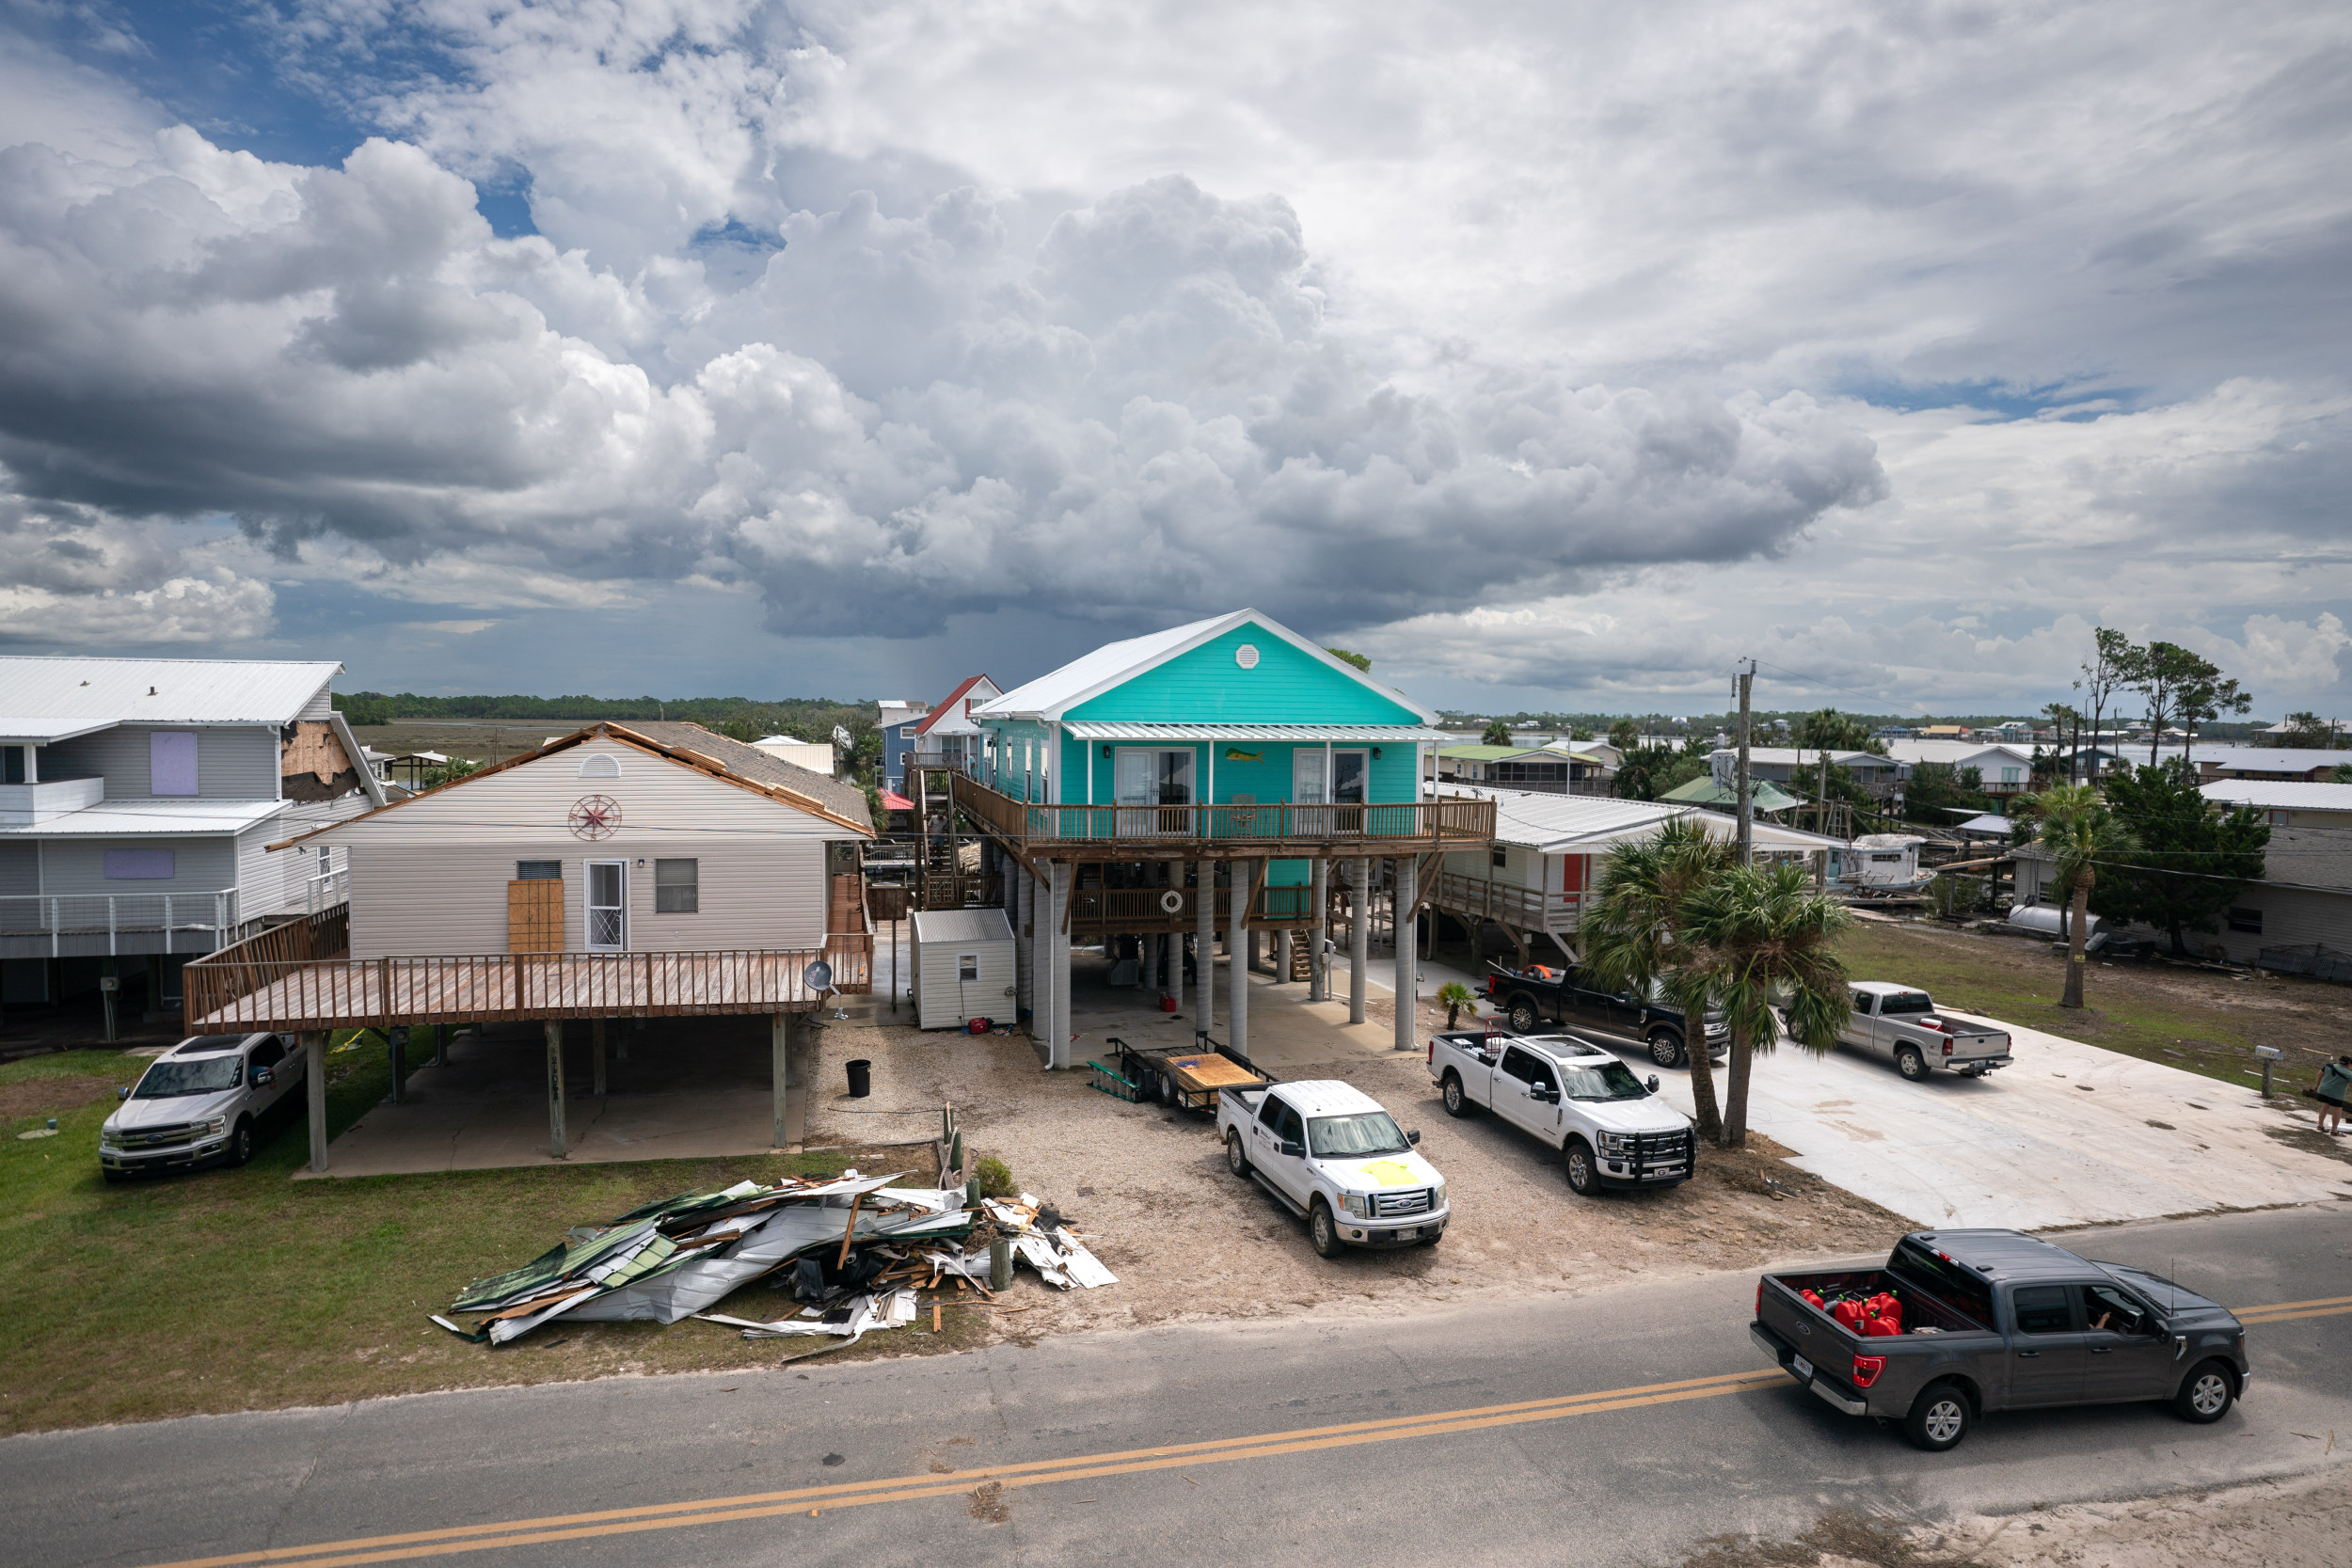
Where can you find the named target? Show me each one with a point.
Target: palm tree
(1453, 996)
(1633, 939)
(1754, 933)
(2073, 823)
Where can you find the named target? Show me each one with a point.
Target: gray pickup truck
(1997, 1319)
(1900, 1023)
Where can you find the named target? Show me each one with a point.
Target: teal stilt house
(1226, 777)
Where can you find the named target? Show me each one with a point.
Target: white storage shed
(963, 967)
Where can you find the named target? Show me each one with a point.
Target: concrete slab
(689, 1087)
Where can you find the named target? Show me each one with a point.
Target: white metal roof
(1095, 729)
(1327, 1097)
(1053, 693)
(149, 818)
(2266, 759)
(1586, 824)
(48, 699)
(954, 927)
(2282, 794)
(2000, 826)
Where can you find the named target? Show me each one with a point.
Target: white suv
(199, 1105)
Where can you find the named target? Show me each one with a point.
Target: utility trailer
(1179, 1080)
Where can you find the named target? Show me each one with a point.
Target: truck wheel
(1456, 1102)
(1322, 1232)
(1911, 1064)
(241, 1143)
(1583, 1180)
(1665, 1048)
(1235, 1161)
(1939, 1417)
(2206, 1394)
(1523, 1017)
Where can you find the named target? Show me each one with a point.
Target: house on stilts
(1224, 777)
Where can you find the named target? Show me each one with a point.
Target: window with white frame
(677, 887)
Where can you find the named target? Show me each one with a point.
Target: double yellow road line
(1041, 1472)
(1038, 1472)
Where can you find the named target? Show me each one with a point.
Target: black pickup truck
(1529, 996)
(1997, 1319)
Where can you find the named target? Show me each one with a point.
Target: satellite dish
(818, 975)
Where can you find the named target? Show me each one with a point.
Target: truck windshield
(1906, 1002)
(170, 1078)
(1343, 1137)
(1606, 1081)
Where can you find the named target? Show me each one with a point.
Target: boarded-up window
(140, 865)
(535, 915)
(170, 763)
(677, 887)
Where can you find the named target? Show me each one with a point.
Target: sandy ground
(1189, 1242)
(2303, 1521)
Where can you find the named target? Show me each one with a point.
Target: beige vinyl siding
(409, 900)
(2292, 917)
(205, 865)
(943, 1002)
(322, 703)
(233, 763)
(276, 880)
(1520, 867)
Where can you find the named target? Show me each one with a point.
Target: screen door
(608, 906)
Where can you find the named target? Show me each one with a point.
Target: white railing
(114, 915)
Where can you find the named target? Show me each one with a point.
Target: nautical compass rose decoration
(594, 816)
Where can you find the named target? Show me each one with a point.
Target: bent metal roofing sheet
(48, 699)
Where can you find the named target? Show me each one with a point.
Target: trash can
(861, 1079)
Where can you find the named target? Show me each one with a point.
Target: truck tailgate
(1810, 1344)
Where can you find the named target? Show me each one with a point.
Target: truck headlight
(213, 1127)
(109, 1138)
(1437, 1195)
(1615, 1143)
(1358, 1204)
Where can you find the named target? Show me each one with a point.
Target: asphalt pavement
(1615, 1427)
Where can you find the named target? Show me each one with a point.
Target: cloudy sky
(1555, 354)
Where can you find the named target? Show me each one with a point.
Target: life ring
(1171, 901)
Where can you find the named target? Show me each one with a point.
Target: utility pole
(1747, 801)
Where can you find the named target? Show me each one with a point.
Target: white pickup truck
(1609, 1128)
(1329, 1151)
(201, 1104)
(1901, 1022)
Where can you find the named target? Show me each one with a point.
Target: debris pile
(853, 1251)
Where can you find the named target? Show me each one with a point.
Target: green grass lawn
(2202, 1022)
(234, 1289)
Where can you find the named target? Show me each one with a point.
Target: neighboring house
(2006, 768)
(817, 756)
(896, 721)
(1229, 746)
(1535, 878)
(138, 798)
(625, 871)
(1769, 797)
(1549, 770)
(2278, 764)
(2297, 919)
(2287, 805)
(949, 737)
(1797, 769)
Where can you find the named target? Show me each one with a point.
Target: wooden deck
(231, 991)
(1278, 831)
(1514, 908)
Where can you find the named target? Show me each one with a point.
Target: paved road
(1476, 1435)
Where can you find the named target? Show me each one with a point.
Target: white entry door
(608, 906)
(1148, 778)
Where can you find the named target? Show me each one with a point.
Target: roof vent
(1247, 656)
(599, 765)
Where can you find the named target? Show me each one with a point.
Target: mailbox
(2269, 1052)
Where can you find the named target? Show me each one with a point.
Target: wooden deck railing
(1528, 909)
(280, 988)
(1282, 828)
(1140, 908)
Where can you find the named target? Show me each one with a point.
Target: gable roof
(1053, 694)
(1496, 753)
(690, 746)
(954, 705)
(45, 698)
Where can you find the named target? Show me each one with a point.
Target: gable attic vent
(1247, 656)
(600, 765)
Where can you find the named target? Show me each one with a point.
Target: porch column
(1281, 958)
(1408, 968)
(1237, 976)
(1065, 873)
(1176, 942)
(779, 1073)
(1359, 938)
(1023, 917)
(1204, 939)
(556, 1145)
(596, 1053)
(799, 1049)
(1318, 929)
(314, 1090)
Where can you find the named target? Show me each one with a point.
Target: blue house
(1201, 778)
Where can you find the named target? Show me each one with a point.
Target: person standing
(2332, 1091)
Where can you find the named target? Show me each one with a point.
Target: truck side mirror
(1653, 1083)
(263, 1078)
(1293, 1149)
(124, 1093)
(1413, 1138)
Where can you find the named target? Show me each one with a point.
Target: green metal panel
(1205, 685)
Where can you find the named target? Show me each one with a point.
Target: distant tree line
(745, 718)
